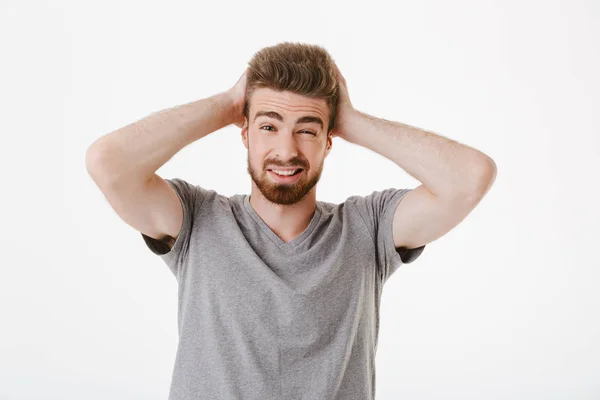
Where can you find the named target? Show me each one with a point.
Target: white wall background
(506, 306)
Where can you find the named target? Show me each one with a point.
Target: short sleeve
(190, 197)
(377, 211)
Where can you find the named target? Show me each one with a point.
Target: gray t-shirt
(260, 318)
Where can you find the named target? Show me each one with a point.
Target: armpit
(160, 247)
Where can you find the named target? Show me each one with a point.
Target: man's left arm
(454, 177)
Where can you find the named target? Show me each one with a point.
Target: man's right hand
(238, 94)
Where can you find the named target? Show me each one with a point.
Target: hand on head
(238, 95)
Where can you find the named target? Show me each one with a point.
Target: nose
(287, 148)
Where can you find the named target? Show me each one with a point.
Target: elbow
(96, 165)
(485, 176)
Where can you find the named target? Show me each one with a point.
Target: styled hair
(304, 69)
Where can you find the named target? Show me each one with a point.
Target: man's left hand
(345, 108)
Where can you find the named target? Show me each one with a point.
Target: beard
(285, 193)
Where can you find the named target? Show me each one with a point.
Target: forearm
(445, 167)
(138, 150)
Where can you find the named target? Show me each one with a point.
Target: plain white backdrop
(505, 306)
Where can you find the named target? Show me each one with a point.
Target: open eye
(309, 132)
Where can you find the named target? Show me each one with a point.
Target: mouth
(286, 178)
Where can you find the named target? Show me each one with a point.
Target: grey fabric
(260, 318)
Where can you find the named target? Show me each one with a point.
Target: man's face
(285, 134)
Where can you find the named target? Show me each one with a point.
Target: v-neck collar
(276, 239)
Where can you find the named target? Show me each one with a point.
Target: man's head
(290, 108)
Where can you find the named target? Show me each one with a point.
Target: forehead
(287, 102)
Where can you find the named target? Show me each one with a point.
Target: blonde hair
(304, 69)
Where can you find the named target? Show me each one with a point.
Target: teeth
(284, 172)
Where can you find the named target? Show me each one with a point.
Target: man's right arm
(123, 163)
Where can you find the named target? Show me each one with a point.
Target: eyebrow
(277, 116)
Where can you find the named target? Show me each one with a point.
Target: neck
(286, 221)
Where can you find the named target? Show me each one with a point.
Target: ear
(329, 143)
(245, 133)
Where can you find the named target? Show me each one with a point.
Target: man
(279, 293)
